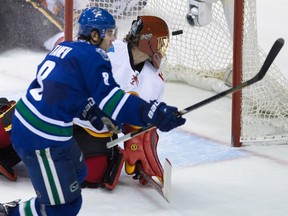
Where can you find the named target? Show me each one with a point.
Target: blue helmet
(95, 18)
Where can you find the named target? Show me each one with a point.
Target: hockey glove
(98, 118)
(162, 116)
(93, 114)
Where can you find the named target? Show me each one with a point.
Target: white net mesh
(265, 104)
(202, 55)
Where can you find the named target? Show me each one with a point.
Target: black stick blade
(277, 46)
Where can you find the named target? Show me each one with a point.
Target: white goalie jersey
(147, 83)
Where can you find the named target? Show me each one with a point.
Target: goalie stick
(278, 44)
(163, 189)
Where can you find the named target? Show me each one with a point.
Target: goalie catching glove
(162, 116)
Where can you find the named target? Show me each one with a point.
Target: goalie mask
(153, 37)
(96, 18)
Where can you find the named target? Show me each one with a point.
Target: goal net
(203, 56)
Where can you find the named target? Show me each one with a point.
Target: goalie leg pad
(4, 137)
(7, 171)
(6, 111)
(8, 159)
(96, 168)
(96, 156)
(143, 149)
(103, 165)
(114, 169)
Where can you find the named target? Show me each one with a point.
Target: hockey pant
(56, 174)
(103, 165)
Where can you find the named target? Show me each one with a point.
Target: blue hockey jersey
(71, 74)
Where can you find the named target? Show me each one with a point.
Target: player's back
(70, 74)
(66, 78)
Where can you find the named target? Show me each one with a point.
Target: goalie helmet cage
(203, 56)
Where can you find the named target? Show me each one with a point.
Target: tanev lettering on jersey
(60, 51)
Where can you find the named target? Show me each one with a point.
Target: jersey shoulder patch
(103, 54)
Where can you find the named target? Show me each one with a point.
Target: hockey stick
(163, 189)
(266, 65)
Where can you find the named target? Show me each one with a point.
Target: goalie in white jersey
(135, 66)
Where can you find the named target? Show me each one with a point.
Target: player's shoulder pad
(102, 53)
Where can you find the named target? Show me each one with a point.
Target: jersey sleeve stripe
(120, 105)
(105, 99)
(113, 102)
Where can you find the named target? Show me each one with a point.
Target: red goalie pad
(6, 111)
(143, 149)
(4, 137)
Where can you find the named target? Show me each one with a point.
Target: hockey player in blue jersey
(74, 80)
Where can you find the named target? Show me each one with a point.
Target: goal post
(68, 19)
(263, 106)
(203, 56)
(237, 73)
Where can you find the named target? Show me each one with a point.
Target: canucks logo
(102, 53)
(74, 186)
